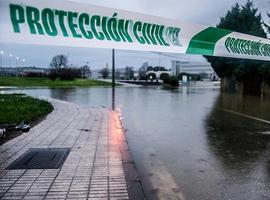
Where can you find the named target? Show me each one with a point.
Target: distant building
(9, 71)
(199, 68)
(156, 72)
(22, 71)
(34, 70)
(126, 73)
(176, 67)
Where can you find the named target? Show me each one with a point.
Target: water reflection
(84, 96)
(240, 145)
(185, 138)
(64, 94)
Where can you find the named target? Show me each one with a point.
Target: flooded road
(190, 143)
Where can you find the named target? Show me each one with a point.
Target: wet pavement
(93, 169)
(190, 143)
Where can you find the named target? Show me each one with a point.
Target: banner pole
(113, 79)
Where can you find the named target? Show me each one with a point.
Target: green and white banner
(66, 23)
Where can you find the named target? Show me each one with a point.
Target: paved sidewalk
(92, 170)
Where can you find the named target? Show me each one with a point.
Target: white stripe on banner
(65, 23)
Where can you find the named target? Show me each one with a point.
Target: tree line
(241, 75)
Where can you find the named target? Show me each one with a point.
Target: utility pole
(113, 79)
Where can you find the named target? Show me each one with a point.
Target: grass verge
(45, 82)
(17, 107)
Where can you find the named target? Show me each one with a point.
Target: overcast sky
(205, 12)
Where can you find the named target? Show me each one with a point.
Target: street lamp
(2, 52)
(10, 56)
(17, 60)
(23, 60)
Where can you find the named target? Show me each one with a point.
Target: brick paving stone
(93, 170)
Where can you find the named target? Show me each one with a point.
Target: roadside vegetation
(60, 75)
(250, 77)
(170, 80)
(45, 82)
(15, 108)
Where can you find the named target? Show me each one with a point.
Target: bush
(65, 74)
(167, 80)
(53, 74)
(173, 81)
(164, 76)
(35, 75)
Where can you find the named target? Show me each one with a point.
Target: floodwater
(189, 143)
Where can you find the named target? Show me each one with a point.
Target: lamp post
(10, 56)
(113, 79)
(17, 60)
(2, 53)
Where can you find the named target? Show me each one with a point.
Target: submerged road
(191, 143)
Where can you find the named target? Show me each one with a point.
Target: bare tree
(85, 71)
(58, 62)
(143, 70)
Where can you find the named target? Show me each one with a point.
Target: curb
(134, 184)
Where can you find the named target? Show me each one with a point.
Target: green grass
(45, 82)
(17, 107)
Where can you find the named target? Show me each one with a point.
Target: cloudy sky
(205, 12)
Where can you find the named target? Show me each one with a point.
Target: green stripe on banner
(205, 41)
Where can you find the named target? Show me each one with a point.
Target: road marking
(163, 182)
(247, 116)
